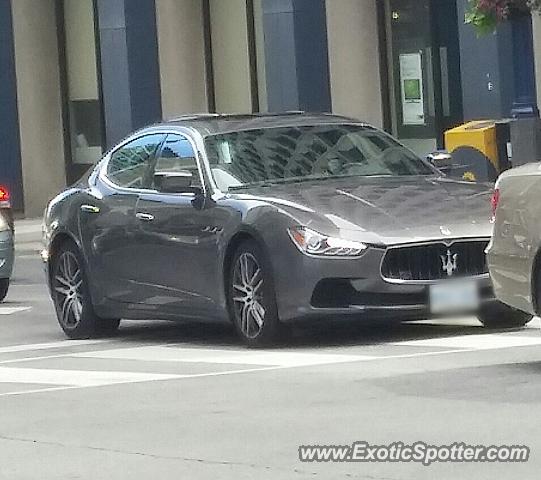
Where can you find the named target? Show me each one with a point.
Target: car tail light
(4, 194)
(494, 202)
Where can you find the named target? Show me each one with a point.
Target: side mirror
(440, 159)
(176, 182)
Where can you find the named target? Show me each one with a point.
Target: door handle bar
(90, 209)
(145, 217)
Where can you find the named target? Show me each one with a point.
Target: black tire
(71, 297)
(4, 287)
(500, 316)
(253, 308)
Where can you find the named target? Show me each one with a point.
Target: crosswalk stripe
(476, 342)
(241, 357)
(46, 346)
(10, 310)
(77, 378)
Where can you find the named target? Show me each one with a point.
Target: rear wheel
(251, 296)
(4, 287)
(71, 297)
(500, 315)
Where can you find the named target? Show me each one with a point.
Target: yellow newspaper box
(474, 146)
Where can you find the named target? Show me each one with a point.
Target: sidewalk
(28, 236)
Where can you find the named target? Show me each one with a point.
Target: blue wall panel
(296, 55)
(129, 66)
(10, 151)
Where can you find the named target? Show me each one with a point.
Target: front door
(424, 71)
(178, 240)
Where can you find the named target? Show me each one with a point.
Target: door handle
(145, 217)
(90, 209)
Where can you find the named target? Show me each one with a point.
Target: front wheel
(71, 297)
(500, 315)
(4, 287)
(251, 296)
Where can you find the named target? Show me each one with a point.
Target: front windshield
(304, 153)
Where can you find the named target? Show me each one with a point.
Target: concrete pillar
(354, 59)
(129, 66)
(230, 56)
(39, 102)
(181, 48)
(536, 21)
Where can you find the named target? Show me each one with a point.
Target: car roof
(213, 123)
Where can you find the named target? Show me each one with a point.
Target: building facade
(78, 75)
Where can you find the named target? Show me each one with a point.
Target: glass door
(424, 71)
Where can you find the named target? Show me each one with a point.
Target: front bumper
(7, 254)
(311, 288)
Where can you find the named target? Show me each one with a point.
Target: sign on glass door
(411, 82)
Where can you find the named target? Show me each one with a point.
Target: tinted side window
(129, 165)
(177, 155)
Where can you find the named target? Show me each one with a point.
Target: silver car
(514, 252)
(6, 242)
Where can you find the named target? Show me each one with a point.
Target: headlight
(314, 243)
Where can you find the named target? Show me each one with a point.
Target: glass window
(177, 155)
(85, 112)
(129, 166)
(277, 155)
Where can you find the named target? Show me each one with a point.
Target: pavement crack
(203, 461)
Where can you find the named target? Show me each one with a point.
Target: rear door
(107, 218)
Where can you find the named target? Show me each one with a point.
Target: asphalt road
(184, 401)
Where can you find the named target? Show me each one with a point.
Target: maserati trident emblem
(445, 230)
(449, 263)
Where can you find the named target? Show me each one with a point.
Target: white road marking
(10, 310)
(241, 357)
(76, 378)
(261, 360)
(475, 342)
(35, 390)
(46, 346)
(170, 377)
(208, 374)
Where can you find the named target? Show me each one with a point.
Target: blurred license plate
(454, 296)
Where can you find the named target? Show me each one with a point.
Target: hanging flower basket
(486, 15)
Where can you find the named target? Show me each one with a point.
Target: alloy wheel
(68, 281)
(248, 295)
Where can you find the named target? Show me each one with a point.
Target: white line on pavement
(36, 390)
(208, 374)
(476, 342)
(11, 310)
(241, 357)
(76, 378)
(46, 346)
(116, 382)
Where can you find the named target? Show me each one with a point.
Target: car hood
(384, 210)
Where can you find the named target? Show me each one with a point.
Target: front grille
(435, 261)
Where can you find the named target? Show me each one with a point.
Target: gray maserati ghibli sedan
(263, 220)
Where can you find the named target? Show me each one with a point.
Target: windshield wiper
(278, 181)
